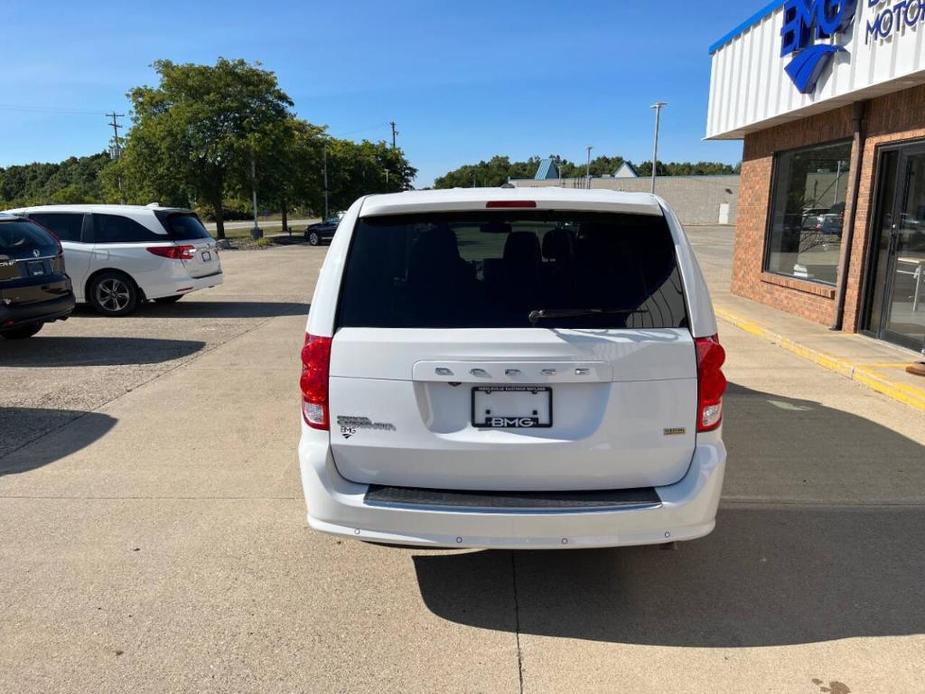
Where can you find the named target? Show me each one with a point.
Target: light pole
(325, 158)
(658, 105)
(256, 233)
(588, 169)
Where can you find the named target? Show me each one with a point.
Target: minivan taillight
(711, 383)
(316, 361)
(173, 252)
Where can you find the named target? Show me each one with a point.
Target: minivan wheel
(168, 299)
(113, 294)
(21, 332)
(314, 239)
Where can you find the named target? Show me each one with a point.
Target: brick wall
(892, 118)
(807, 299)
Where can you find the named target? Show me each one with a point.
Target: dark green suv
(34, 288)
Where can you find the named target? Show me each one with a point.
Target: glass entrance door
(897, 306)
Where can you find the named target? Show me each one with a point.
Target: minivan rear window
(183, 226)
(18, 238)
(546, 269)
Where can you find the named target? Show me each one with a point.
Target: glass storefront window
(807, 212)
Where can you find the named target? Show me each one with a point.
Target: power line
(359, 130)
(50, 109)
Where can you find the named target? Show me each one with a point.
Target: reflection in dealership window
(807, 212)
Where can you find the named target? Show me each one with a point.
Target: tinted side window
(113, 228)
(496, 270)
(65, 225)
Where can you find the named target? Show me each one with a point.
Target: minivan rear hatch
(513, 349)
(184, 228)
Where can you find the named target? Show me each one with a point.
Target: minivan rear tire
(113, 293)
(21, 332)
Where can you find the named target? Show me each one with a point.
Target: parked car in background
(34, 288)
(322, 232)
(512, 368)
(812, 218)
(831, 223)
(119, 256)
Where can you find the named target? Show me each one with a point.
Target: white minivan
(119, 256)
(512, 368)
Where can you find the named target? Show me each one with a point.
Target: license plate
(206, 256)
(35, 268)
(512, 407)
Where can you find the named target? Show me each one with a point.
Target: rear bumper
(42, 312)
(181, 285)
(337, 506)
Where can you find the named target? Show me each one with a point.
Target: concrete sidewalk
(873, 363)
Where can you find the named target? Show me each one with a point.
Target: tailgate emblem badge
(350, 425)
(36, 252)
(674, 431)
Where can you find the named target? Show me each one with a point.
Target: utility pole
(588, 169)
(256, 233)
(658, 105)
(325, 158)
(115, 151)
(394, 133)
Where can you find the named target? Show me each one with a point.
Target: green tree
(74, 180)
(700, 168)
(494, 172)
(499, 169)
(193, 136)
(361, 168)
(287, 166)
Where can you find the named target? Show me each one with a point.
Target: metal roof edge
(765, 11)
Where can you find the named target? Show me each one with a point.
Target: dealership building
(829, 98)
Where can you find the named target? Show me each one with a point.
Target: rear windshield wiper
(547, 313)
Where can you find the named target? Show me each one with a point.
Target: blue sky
(463, 80)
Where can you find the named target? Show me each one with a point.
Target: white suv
(118, 256)
(526, 368)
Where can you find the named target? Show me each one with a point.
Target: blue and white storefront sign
(891, 19)
(795, 58)
(809, 27)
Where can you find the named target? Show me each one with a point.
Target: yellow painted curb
(900, 392)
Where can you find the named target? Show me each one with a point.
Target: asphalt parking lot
(153, 535)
